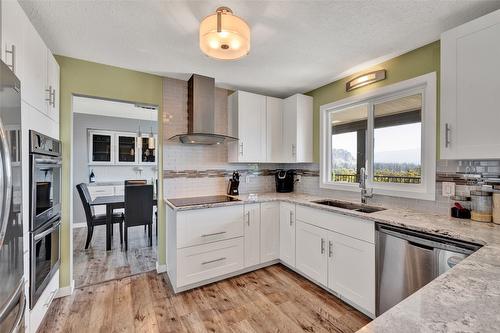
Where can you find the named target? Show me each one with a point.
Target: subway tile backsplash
(204, 170)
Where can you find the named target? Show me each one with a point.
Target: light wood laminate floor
(272, 299)
(95, 264)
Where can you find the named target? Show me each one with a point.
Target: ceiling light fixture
(224, 35)
(365, 79)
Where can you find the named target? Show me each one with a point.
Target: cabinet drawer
(346, 225)
(198, 263)
(100, 191)
(203, 226)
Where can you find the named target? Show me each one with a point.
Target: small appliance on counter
(284, 180)
(461, 207)
(234, 183)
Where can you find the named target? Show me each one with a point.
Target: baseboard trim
(65, 291)
(223, 277)
(161, 268)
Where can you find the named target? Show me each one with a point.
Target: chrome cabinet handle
(322, 246)
(447, 140)
(241, 148)
(291, 218)
(330, 249)
(214, 234)
(49, 98)
(248, 218)
(53, 98)
(294, 150)
(211, 261)
(12, 52)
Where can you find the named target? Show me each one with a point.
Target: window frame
(424, 84)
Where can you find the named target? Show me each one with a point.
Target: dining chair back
(135, 182)
(138, 209)
(93, 219)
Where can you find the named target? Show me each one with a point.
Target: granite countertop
(464, 299)
(110, 183)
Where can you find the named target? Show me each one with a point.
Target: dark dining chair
(93, 219)
(138, 209)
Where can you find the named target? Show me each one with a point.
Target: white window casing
(424, 84)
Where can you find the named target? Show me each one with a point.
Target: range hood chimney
(201, 114)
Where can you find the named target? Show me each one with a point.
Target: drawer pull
(211, 261)
(214, 234)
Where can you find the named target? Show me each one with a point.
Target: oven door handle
(48, 231)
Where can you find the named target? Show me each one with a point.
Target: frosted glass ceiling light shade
(224, 35)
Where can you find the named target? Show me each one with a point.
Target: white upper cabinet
(53, 87)
(13, 22)
(269, 129)
(247, 122)
(470, 77)
(274, 125)
(24, 51)
(252, 235)
(298, 129)
(34, 83)
(269, 231)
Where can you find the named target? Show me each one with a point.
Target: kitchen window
(391, 132)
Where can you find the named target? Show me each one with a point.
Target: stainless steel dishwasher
(407, 260)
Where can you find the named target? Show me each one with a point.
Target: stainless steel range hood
(201, 114)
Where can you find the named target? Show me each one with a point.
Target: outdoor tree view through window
(396, 147)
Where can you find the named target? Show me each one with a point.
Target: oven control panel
(43, 144)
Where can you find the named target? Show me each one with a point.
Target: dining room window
(391, 132)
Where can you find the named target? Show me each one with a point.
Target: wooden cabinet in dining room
(247, 122)
(126, 151)
(251, 229)
(147, 149)
(470, 77)
(101, 147)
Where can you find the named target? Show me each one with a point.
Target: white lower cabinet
(269, 231)
(311, 258)
(202, 262)
(287, 233)
(252, 234)
(333, 250)
(351, 269)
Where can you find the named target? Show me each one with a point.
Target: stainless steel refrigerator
(12, 297)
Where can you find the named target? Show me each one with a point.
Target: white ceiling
(296, 45)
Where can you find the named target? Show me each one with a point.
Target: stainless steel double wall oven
(45, 211)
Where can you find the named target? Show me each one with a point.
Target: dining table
(112, 202)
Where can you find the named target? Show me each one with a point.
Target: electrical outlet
(298, 178)
(448, 189)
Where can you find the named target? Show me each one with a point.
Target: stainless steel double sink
(350, 206)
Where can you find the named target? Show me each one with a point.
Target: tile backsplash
(191, 170)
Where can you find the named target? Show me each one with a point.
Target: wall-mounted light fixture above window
(224, 35)
(365, 79)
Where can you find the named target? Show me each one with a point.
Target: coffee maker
(284, 180)
(234, 183)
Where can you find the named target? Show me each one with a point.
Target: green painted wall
(80, 77)
(406, 66)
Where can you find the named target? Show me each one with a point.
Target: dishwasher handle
(429, 241)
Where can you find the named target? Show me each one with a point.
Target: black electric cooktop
(181, 202)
